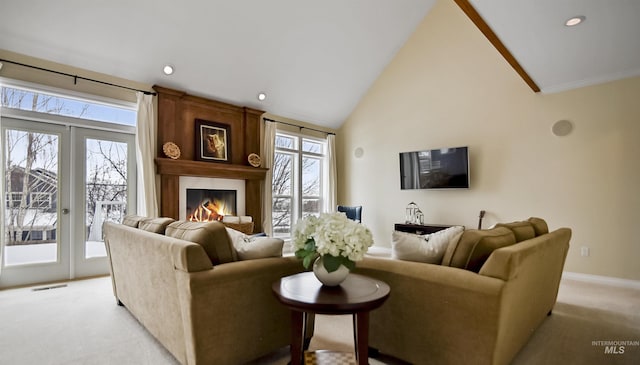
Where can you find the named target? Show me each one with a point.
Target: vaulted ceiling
(314, 60)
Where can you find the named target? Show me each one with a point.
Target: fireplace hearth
(210, 204)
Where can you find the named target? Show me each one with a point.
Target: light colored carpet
(81, 324)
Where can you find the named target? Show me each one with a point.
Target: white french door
(104, 178)
(60, 184)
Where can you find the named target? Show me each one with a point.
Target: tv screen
(444, 168)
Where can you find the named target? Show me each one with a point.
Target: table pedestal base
(299, 344)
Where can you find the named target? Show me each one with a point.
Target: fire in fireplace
(210, 204)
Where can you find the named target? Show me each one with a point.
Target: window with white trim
(41, 101)
(41, 200)
(297, 184)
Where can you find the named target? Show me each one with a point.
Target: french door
(60, 184)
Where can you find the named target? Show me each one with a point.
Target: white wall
(448, 87)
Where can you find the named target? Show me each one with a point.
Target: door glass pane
(106, 190)
(31, 196)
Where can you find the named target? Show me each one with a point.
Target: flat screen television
(443, 168)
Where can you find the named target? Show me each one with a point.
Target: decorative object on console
(212, 141)
(254, 160)
(171, 150)
(410, 213)
(334, 238)
(419, 217)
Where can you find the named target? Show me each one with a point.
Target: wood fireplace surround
(177, 112)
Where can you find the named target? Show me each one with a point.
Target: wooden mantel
(167, 166)
(177, 112)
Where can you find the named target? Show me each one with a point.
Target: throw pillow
(475, 246)
(210, 235)
(155, 225)
(132, 220)
(428, 248)
(539, 225)
(255, 247)
(522, 230)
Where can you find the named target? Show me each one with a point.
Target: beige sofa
(479, 306)
(191, 292)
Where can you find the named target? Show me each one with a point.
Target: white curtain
(268, 156)
(330, 178)
(145, 147)
(2, 190)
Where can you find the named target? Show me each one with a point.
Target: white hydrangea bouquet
(339, 240)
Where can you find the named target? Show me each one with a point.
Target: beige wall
(447, 87)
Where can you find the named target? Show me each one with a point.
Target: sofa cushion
(539, 225)
(155, 225)
(522, 230)
(212, 236)
(132, 220)
(475, 246)
(255, 246)
(429, 248)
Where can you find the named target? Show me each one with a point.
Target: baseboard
(604, 280)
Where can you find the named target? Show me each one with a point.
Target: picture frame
(212, 141)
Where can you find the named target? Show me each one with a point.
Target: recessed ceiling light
(575, 20)
(262, 96)
(167, 69)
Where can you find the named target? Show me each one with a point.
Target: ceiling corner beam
(471, 12)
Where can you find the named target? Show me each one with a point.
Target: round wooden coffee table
(357, 295)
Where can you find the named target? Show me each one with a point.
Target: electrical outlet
(584, 251)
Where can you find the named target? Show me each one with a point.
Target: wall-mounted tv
(443, 168)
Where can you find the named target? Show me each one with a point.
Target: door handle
(65, 211)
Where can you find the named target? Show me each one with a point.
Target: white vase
(329, 278)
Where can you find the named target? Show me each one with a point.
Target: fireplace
(210, 204)
(198, 193)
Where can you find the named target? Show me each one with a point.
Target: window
(13, 200)
(50, 103)
(298, 169)
(40, 200)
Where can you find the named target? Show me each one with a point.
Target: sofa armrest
(532, 270)
(230, 313)
(429, 306)
(544, 253)
(189, 257)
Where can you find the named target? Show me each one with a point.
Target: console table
(357, 295)
(420, 228)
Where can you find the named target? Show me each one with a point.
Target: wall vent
(49, 287)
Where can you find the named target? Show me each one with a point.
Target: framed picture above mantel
(212, 141)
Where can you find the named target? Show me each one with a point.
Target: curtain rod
(298, 126)
(76, 77)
